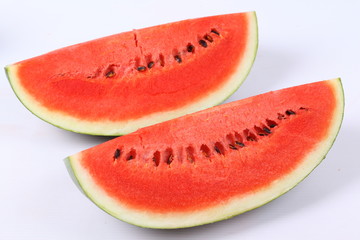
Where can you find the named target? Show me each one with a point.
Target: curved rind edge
(255, 35)
(71, 172)
(110, 128)
(234, 207)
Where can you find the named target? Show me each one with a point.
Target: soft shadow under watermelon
(88, 140)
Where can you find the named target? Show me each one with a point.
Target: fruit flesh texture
(104, 83)
(199, 181)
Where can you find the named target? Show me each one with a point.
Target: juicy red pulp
(133, 74)
(204, 159)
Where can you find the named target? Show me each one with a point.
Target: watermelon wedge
(117, 84)
(213, 164)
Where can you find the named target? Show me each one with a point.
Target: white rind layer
(234, 206)
(115, 128)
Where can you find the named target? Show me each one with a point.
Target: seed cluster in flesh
(208, 38)
(234, 141)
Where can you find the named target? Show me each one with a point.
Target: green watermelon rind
(115, 128)
(249, 63)
(73, 175)
(75, 179)
(288, 182)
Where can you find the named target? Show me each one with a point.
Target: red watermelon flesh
(216, 163)
(117, 84)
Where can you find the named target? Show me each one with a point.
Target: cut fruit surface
(216, 163)
(117, 84)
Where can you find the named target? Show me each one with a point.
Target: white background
(300, 42)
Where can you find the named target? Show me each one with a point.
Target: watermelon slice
(216, 163)
(117, 84)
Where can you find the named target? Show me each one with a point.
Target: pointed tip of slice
(7, 69)
(72, 174)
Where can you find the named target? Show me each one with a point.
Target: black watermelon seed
(117, 154)
(209, 38)
(271, 123)
(150, 64)
(170, 159)
(217, 150)
(141, 68)
(240, 144)
(190, 48)
(178, 58)
(267, 130)
(251, 138)
(232, 147)
(216, 32)
(260, 131)
(130, 157)
(290, 112)
(110, 74)
(203, 43)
